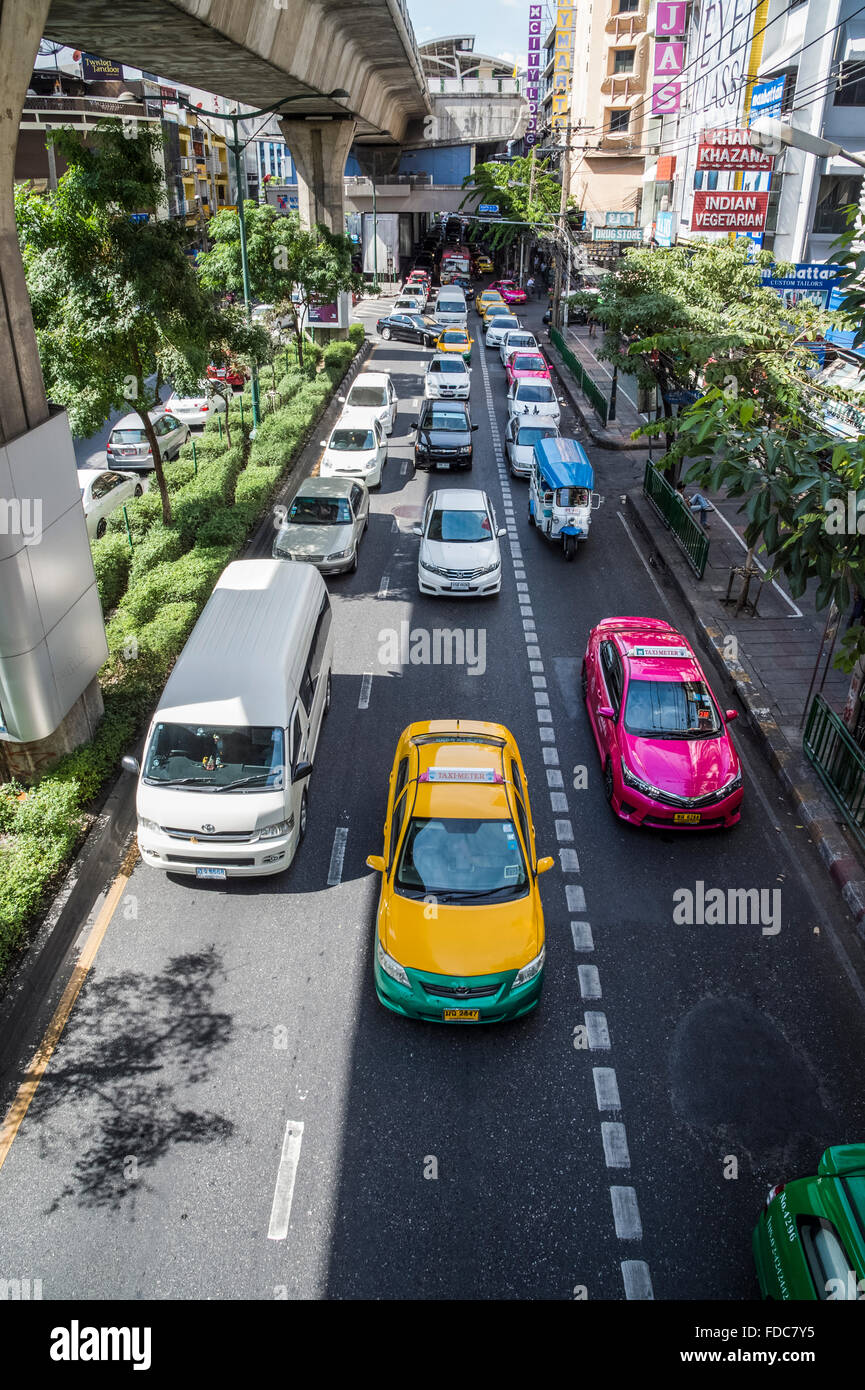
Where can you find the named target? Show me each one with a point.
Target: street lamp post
(237, 148)
(375, 286)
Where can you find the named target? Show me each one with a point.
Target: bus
(456, 260)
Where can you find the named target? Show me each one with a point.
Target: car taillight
(775, 1192)
(204, 408)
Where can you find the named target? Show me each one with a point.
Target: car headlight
(733, 785)
(431, 569)
(421, 447)
(529, 971)
(278, 553)
(390, 966)
(637, 782)
(149, 825)
(339, 554)
(490, 569)
(273, 832)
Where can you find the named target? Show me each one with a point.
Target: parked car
(356, 449)
(526, 365)
(409, 328)
(459, 548)
(128, 446)
(521, 436)
(447, 376)
(665, 749)
(516, 340)
(325, 523)
(195, 411)
(496, 326)
(535, 399)
(373, 392)
(232, 374)
(444, 435)
(102, 492)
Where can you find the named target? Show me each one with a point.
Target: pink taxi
(509, 291)
(527, 364)
(667, 755)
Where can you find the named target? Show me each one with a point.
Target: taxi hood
(462, 940)
(686, 767)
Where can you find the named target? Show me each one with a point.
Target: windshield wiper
(247, 782)
(459, 895)
(180, 781)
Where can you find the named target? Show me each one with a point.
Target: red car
(667, 755)
(234, 375)
(509, 291)
(526, 364)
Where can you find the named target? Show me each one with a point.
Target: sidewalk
(616, 434)
(766, 662)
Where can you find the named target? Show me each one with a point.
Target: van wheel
(139, 490)
(301, 824)
(327, 691)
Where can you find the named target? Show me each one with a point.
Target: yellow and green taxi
(809, 1242)
(455, 340)
(485, 298)
(460, 929)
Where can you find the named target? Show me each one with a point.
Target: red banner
(729, 211)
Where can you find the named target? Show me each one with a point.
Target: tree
(524, 191)
(290, 266)
(117, 305)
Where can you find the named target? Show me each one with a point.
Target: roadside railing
(677, 518)
(592, 392)
(840, 763)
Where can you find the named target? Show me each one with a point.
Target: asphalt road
(219, 1019)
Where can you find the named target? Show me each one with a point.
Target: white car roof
(133, 421)
(370, 379)
(355, 418)
(455, 358)
(464, 499)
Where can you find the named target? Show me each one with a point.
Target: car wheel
(302, 818)
(139, 490)
(352, 569)
(101, 528)
(327, 692)
(609, 786)
(385, 333)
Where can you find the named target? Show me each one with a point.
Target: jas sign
(729, 211)
(730, 148)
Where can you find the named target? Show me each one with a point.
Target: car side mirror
(417, 529)
(606, 712)
(730, 715)
(130, 764)
(548, 862)
(302, 770)
(502, 531)
(322, 443)
(341, 398)
(413, 425)
(375, 861)
(596, 501)
(475, 427)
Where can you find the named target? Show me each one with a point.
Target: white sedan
(517, 340)
(356, 449)
(521, 436)
(499, 325)
(459, 548)
(195, 411)
(447, 378)
(102, 492)
(373, 393)
(534, 398)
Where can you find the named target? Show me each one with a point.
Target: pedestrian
(592, 322)
(696, 502)
(530, 287)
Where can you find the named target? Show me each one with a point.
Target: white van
(450, 310)
(222, 787)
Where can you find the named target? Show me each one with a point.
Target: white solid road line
(637, 1280)
(280, 1212)
(337, 855)
(365, 690)
(643, 562)
(626, 1213)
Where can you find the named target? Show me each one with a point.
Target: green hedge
(191, 577)
(112, 560)
(160, 543)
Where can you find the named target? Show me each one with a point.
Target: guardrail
(584, 381)
(839, 762)
(677, 518)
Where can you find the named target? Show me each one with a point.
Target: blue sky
(501, 26)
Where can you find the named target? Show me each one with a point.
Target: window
(628, 6)
(623, 60)
(319, 643)
(296, 740)
(837, 191)
(827, 1259)
(398, 808)
(851, 85)
(619, 121)
(612, 673)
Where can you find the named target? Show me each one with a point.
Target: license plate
(444, 464)
(462, 1015)
(210, 873)
(460, 584)
(687, 818)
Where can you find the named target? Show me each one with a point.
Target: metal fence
(592, 392)
(839, 761)
(676, 516)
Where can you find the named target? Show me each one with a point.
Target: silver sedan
(324, 524)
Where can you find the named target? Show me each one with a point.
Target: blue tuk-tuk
(561, 496)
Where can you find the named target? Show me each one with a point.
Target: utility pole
(375, 287)
(556, 315)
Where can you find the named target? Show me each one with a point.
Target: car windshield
(450, 306)
(670, 709)
(128, 436)
(524, 362)
(344, 440)
(453, 366)
(367, 395)
(459, 526)
(520, 340)
(453, 338)
(529, 435)
(460, 859)
(215, 756)
(441, 418)
(500, 321)
(572, 497)
(320, 511)
(539, 391)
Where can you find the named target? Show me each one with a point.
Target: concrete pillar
(320, 149)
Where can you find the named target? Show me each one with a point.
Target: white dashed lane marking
(626, 1213)
(597, 1032)
(615, 1144)
(582, 934)
(365, 689)
(637, 1280)
(337, 855)
(590, 981)
(383, 586)
(606, 1088)
(280, 1212)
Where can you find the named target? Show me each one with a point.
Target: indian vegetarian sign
(729, 211)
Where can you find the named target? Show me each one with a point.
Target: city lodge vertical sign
(533, 72)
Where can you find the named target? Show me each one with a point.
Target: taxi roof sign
(682, 653)
(460, 774)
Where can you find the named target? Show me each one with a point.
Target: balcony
(627, 25)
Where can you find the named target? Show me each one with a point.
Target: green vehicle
(809, 1242)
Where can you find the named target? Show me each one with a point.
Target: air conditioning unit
(653, 149)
